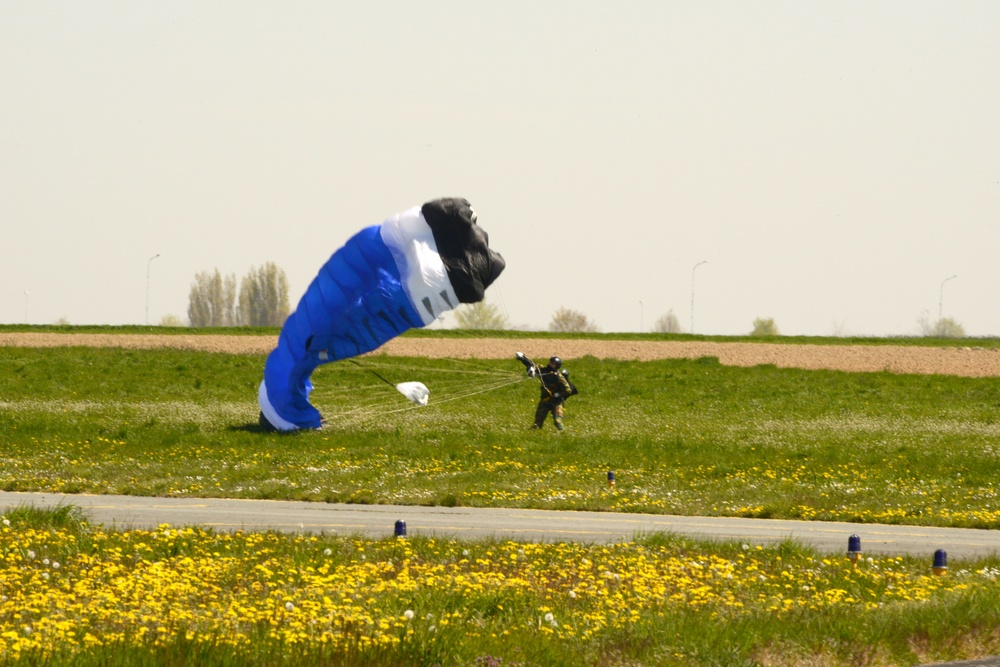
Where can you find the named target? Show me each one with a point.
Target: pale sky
(833, 163)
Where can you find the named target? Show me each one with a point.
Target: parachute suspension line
(367, 412)
(363, 398)
(362, 415)
(369, 400)
(474, 371)
(444, 390)
(476, 392)
(336, 403)
(359, 365)
(503, 304)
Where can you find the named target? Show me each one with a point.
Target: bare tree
(764, 327)
(171, 321)
(480, 315)
(566, 320)
(947, 328)
(212, 300)
(264, 297)
(667, 323)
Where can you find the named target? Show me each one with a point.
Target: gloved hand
(531, 372)
(519, 355)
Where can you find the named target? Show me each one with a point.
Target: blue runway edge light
(940, 565)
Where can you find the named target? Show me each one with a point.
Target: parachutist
(556, 388)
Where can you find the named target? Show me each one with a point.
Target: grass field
(683, 437)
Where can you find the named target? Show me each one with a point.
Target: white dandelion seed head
(289, 606)
(45, 561)
(408, 614)
(327, 552)
(56, 565)
(572, 594)
(549, 617)
(6, 521)
(27, 630)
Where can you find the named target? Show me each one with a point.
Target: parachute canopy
(401, 274)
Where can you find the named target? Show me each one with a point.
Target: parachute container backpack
(401, 274)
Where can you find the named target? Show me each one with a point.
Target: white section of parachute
(410, 240)
(415, 391)
(270, 413)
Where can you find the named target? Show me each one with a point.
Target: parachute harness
(535, 371)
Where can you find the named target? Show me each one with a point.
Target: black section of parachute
(463, 246)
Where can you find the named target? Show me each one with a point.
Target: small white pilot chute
(415, 391)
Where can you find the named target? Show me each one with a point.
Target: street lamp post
(148, 265)
(941, 298)
(692, 291)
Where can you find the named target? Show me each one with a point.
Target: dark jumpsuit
(555, 389)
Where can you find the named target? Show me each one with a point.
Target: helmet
(555, 362)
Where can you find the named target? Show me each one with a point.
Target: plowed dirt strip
(965, 362)
(206, 343)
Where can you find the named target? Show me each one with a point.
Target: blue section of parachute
(355, 304)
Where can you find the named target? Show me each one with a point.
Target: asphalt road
(517, 524)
